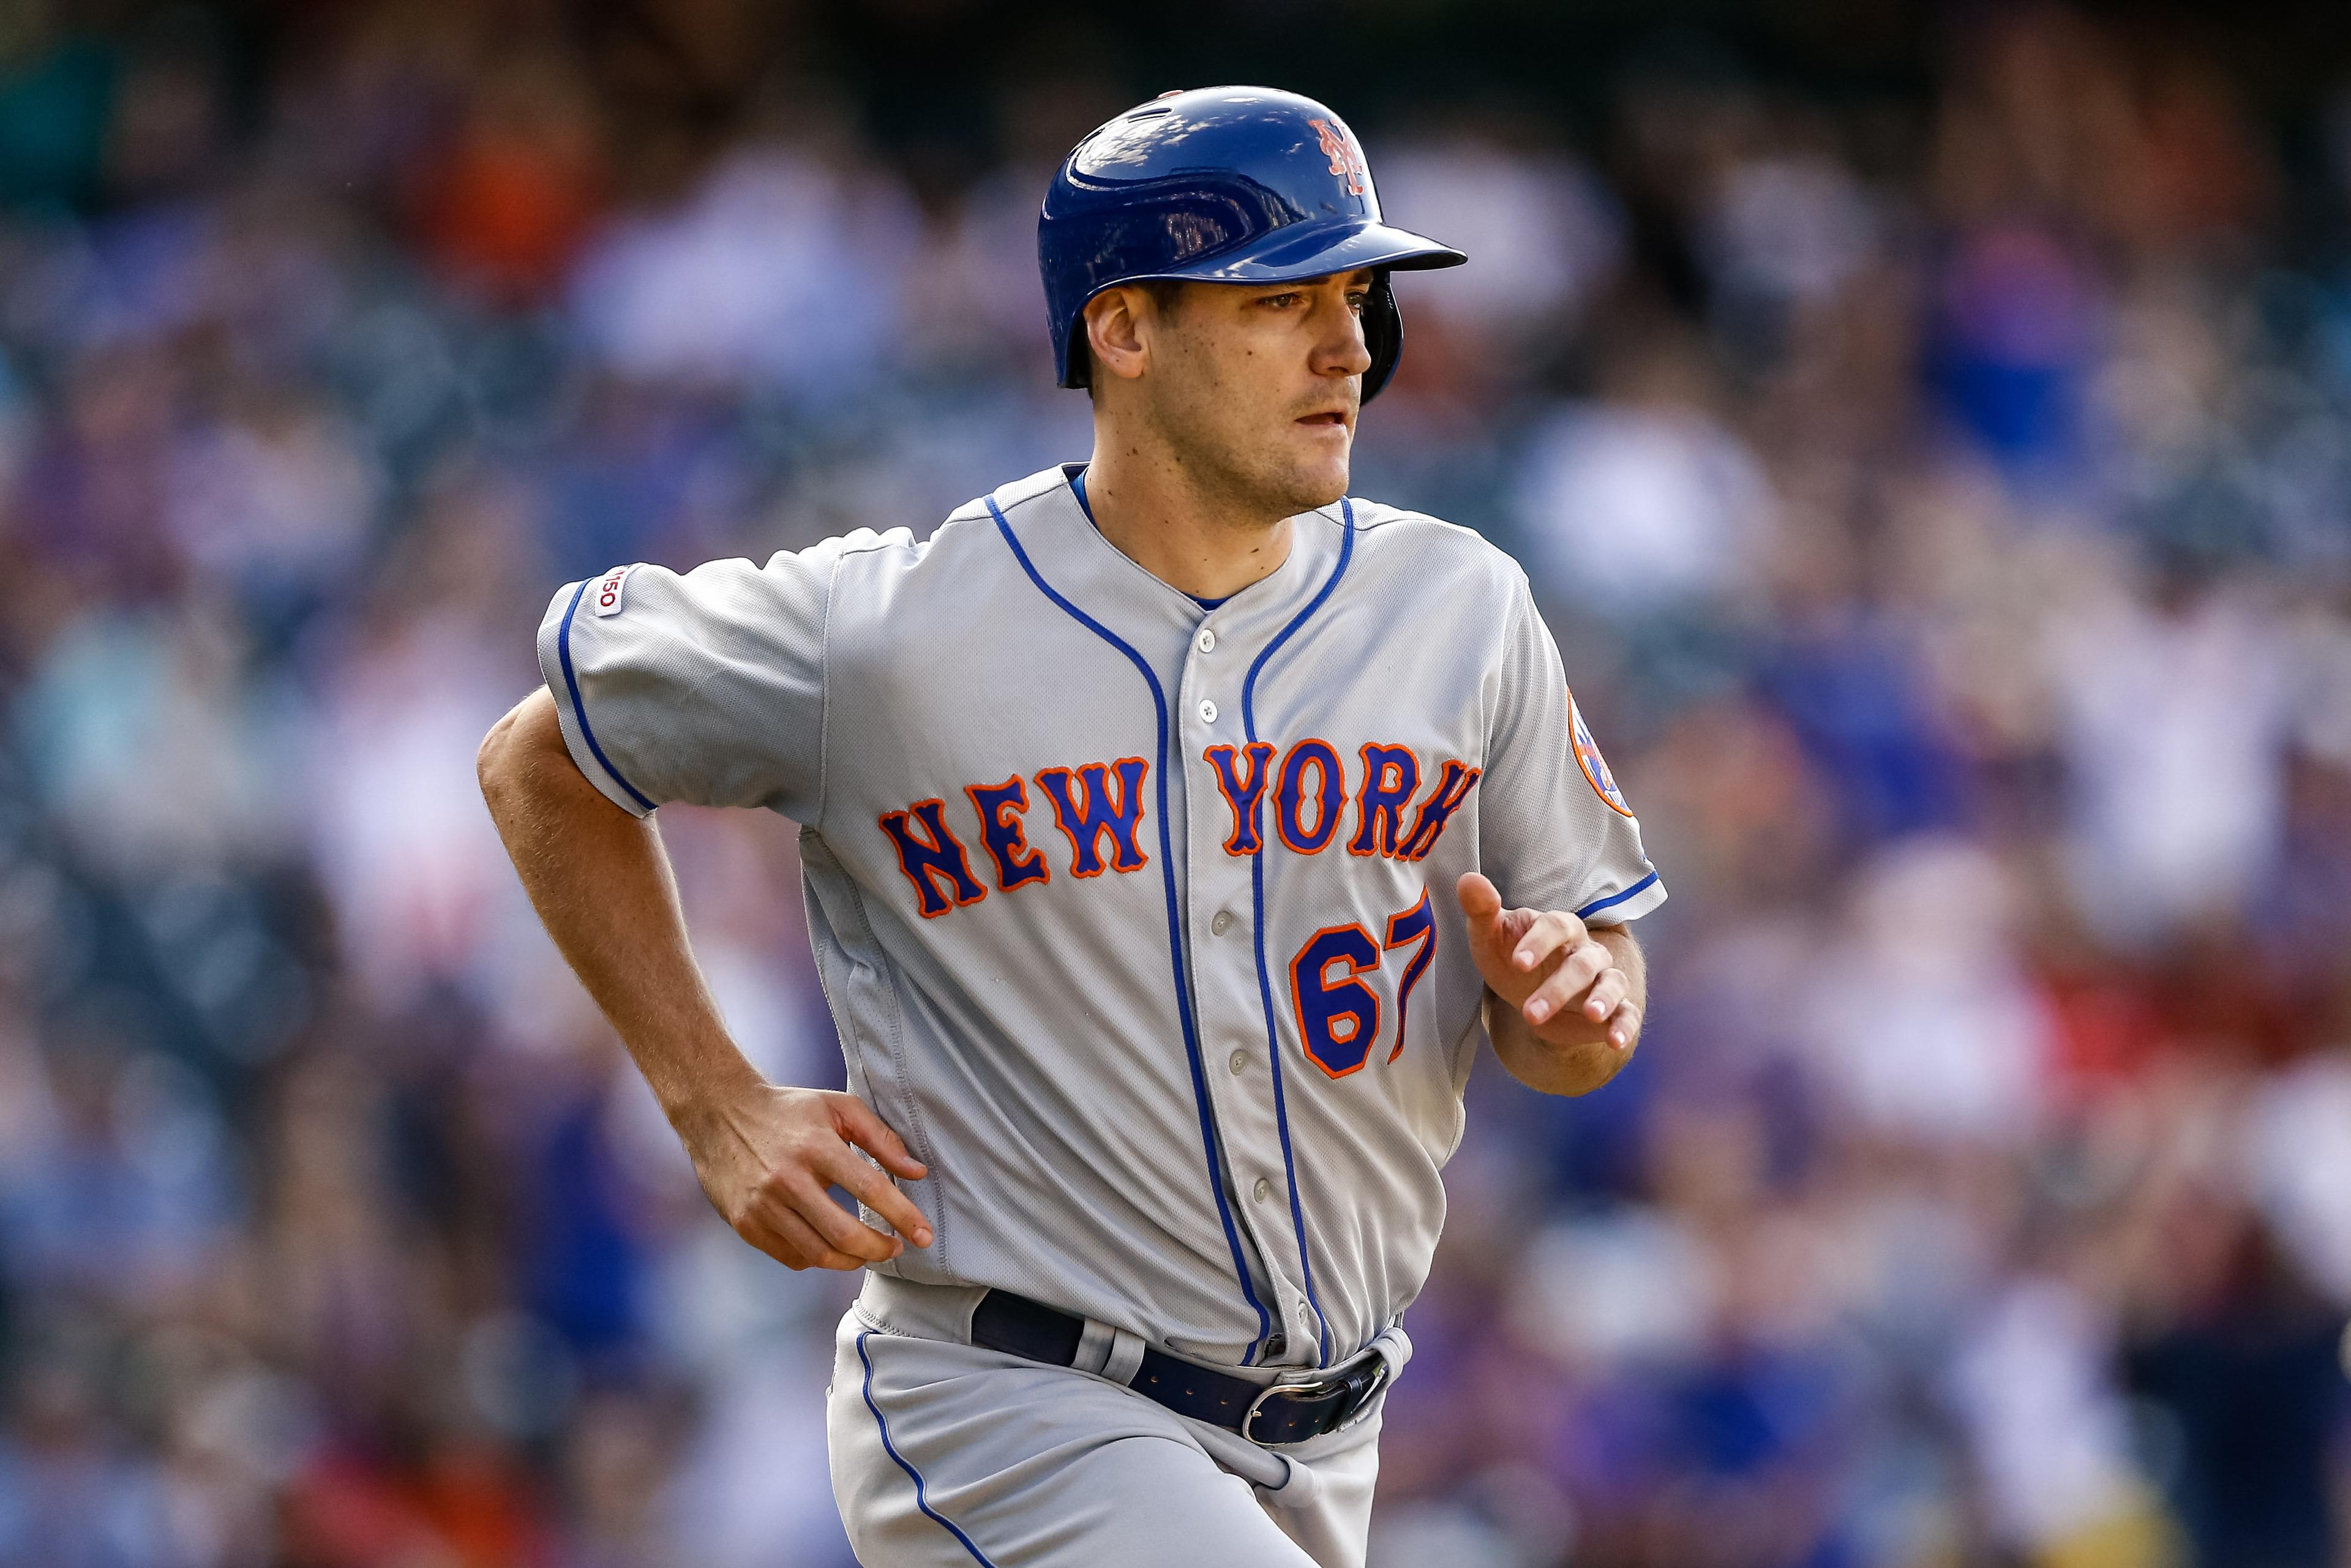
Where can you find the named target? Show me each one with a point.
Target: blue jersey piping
(1175, 920)
(921, 1499)
(1256, 927)
(572, 683)
(1589, 910)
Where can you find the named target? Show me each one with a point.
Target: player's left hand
(1545, 962)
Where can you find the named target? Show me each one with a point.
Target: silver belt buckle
(1249, 1420)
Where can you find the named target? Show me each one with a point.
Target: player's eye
(1282, 301)
(1358, 301)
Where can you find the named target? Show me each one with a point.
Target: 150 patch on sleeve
(606, 599)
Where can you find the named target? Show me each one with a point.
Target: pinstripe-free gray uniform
(1135, 916)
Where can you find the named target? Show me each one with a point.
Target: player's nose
(1340, 350)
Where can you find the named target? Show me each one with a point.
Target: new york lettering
(1399, 810)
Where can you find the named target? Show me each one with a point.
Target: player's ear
(1115, 333)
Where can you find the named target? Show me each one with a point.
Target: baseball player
(1171, 825)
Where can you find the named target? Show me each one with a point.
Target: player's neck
(1208, 545)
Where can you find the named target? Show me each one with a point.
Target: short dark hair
(1163, 292)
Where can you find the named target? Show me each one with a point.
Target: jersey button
(1221, 924)
(1240, 1062)
(1263, 1190)
(1207, 710)
(1305, 1316)
(1208, 641)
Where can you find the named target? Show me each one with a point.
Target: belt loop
(1125, 1355)
(1301, 1488)
(1094, 1347)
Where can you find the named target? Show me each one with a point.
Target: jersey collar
(1308, 544)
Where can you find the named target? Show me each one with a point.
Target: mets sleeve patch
(1588, 757)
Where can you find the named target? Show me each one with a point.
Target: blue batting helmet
(1222, 184)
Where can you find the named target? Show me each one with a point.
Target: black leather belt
(1297, 1406)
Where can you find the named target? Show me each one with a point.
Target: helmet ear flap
(1076, 356)
(1382, 335)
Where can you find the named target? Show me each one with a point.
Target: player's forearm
(602, 883)
(1578, 1058)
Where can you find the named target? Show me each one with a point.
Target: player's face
(1259, 385)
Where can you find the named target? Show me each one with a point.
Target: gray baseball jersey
(1135, 916)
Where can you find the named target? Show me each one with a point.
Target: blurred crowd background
(1926, 429)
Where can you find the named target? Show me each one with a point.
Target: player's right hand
(768, 1159)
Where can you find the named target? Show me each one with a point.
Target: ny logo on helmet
(1346, 158)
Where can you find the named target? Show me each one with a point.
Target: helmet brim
(1317, 250)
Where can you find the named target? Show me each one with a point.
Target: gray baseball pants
(949, 1455)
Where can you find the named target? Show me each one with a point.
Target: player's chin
(1319, 467)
